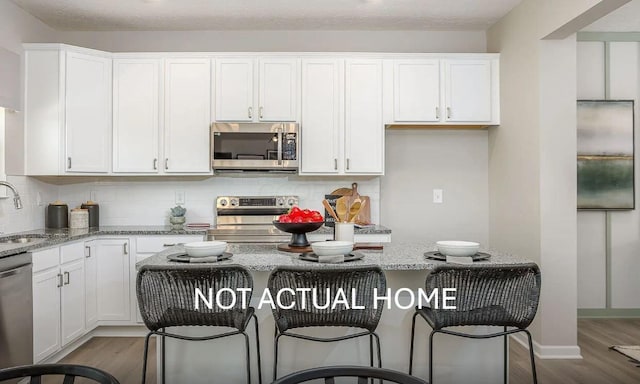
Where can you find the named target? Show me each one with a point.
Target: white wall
(284, 41)
(623, 74)
(147, 202)
(17, 27)
(419, 161)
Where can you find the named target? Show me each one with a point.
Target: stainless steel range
(248, 219)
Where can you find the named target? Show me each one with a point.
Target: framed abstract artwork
(606, 154)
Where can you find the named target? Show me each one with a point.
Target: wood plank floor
(122, 357)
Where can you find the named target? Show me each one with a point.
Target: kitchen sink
(23, 239)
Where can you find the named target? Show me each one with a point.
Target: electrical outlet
(179, 197)
(437, 196)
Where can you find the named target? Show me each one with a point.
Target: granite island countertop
(399, 256)
(52, 237)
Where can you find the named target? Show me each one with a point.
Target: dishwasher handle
(14, 271)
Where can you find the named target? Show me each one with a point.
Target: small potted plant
(177, 218)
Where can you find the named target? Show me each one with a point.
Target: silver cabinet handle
(448, 112)
(335, 164)
(166, 163)
(66, 278)
(250, 112)
(87, 252)
(59, 280)
(437, 113)
(347, 164)
(260, 112)
(155, 164)
(68, 162)
(124, 249)
(169, 245)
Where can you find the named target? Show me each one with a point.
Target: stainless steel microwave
(254, 147)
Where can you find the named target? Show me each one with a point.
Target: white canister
(79, 218)
(343, 232)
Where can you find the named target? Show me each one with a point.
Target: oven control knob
(234, 202)
(280, 201)
(291, 202)
(223, 202)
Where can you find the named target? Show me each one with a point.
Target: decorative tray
(439, 256)
(310, 256)
(184, 258)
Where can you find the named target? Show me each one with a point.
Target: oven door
(254, 146)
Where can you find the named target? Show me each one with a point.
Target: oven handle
(280, 135)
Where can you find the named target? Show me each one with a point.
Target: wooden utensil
(355, 209)
(341, 208)
(327, 206)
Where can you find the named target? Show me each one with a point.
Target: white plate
(205, 248)
(458, 248)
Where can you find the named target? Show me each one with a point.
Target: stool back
(357, 284)
(166, 296)
(487, 294)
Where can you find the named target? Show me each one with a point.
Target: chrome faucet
(16, 197)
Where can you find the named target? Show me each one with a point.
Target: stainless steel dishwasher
(16, 311)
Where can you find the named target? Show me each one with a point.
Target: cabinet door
(72, 301)
(278, 90)
(234, 90)
(135, 115)
(468, 90)
(416, 96)
(113, 280)
(364, 128)
(88, 113)
(187, 115)
(46, 313)
(90, 285)
(322, 116)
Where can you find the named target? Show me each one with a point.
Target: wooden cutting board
(364, 217)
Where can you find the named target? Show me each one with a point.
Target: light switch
(179, 197)
(437, 196)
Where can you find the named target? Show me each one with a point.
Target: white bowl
(205, 248)
(457, 248)
(328, 248)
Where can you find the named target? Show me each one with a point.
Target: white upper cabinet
(322, 116)
(136, 99)
(88, 112)
(364, 128)
(451, 91)
(468, 91)
(268, 94)
(416, 90)
(187, 115)
(278, 89)
(67, 110)
(234, 90)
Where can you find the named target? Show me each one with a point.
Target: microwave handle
(280, 136)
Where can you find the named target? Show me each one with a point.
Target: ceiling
(623, 19)
(119, 15)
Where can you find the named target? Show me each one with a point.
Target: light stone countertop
(399, 256)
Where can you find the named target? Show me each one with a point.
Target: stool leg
(379, 351)
(506, 358)
(275, 357)
(248, 355)
(371, 350)
(431, 356)
(532, 356)
(413, 334)
(145, 356)
(255, 320)
(164, 361)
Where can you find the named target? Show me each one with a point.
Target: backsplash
(31, 216)
(133, 201)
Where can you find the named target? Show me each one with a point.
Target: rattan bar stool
(166, 299)
(363, 279)
(486, 294)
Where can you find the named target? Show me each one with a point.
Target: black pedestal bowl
(298, 231)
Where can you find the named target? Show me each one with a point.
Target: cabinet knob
(250, 112)
(66, 278)
(166, 163)
(68, 162)
(155, 164)
(348, 164)
(124, 249)
(437, 113)
(260, 111)
(59, 280)
(335, 164)
(448, 112)
(87, 252)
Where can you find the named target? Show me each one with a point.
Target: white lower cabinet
(112, 279)
(58, 298)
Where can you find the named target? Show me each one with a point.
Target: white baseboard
(567, 352)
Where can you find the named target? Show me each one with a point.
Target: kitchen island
(457, 360)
